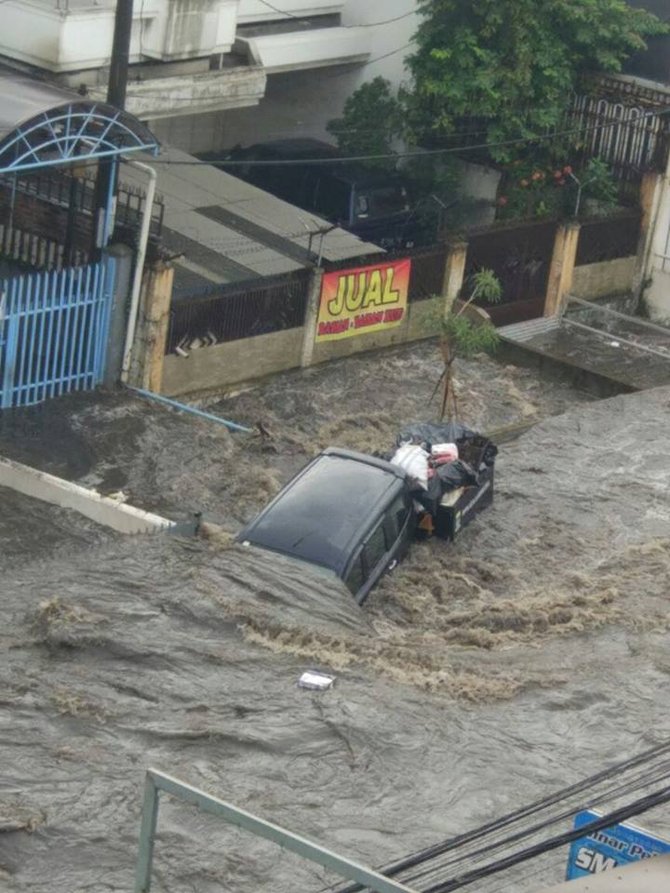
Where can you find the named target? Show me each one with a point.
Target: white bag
(414, 460)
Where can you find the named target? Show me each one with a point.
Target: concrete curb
(101, 509)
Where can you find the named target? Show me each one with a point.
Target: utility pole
(105, 187)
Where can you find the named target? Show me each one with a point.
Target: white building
(207, 74)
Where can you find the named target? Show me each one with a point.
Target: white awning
(307, 49)
(174, 96)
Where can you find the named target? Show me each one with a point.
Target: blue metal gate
(53, 332)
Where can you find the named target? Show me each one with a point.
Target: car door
(383, 548)
(399, 527)
(369, 563)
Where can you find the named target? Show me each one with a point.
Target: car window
(361, 206)
(308, 194)
(355, 577)
(397, 515)
(381, 201)
(333, 198)
(375, 548)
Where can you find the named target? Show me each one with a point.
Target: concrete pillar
(311, 317)
(454, 273)
(656, 280)
(118, 321)
(651, 189)
(562, 268)
(152, 327)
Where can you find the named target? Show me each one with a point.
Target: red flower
(536, 175)
(567, 169)
(503, 200)
(558, 174)
(561, 182)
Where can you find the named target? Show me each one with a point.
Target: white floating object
(316, 681)
(615, 344)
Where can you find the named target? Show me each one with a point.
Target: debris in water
(316, 681)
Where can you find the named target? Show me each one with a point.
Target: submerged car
(346, 512)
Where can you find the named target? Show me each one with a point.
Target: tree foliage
(461, 335)
(371, 119)
(514, 62)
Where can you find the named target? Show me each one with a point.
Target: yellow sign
(364, 299)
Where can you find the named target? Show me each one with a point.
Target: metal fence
(53, 332)
(47, 218)
(426, 278)
(157, 783)
(240, 310)
(427, 270)
(520, 256)
(608, 238)
(33, 251)
(631, 139)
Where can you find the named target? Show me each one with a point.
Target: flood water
(478, 677)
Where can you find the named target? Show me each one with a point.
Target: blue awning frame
(74, 132)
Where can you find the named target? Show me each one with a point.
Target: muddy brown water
(477, 677)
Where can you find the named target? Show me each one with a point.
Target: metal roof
(229, 230)
(42, 125)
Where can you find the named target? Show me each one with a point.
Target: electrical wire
(324, 75)
(638, 807)
(437, 871)
(607, 796)
(644, 777)
(291, 15)
(285, 162)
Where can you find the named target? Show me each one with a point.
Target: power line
(399, 18)
(323, 76)
(456, 851)
(290, 15)
(338, 74)
(347, 159)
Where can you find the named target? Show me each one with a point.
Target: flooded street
(479, 676)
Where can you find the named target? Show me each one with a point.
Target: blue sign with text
(610, 847)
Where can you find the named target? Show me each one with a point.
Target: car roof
(290, 148)
(306, 148)
(321, 515)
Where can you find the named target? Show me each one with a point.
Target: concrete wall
(413, 328)
(56, 491)
(607, 278)
(224, 365)
(229, 364)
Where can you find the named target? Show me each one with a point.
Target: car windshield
(322, 511)
(381, 201)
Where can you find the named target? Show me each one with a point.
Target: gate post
(311, 317)
(10, 347)
(651, 190)
(562, 268)
(123, 256)
(152, 328)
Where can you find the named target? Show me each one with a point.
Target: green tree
(370, 121)
(462, 335)
(514, 63)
